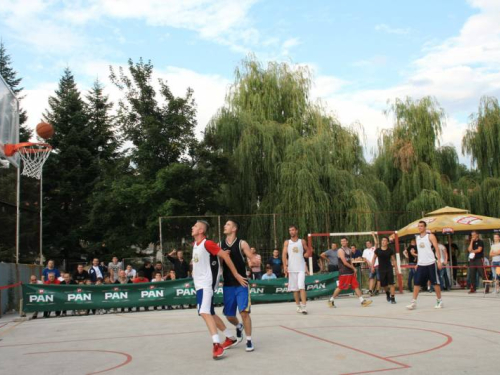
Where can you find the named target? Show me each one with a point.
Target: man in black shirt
(80, 275)
(181, 267)
(276, 263)
(386, 262)
(411, 253)
(148, 270)
(476, 255)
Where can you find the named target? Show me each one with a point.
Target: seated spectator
(171, 275)
(159, 267)
(67, 280)
(130, 272)
(181, 267)
(269, 275)
(99, 281)
(157, 278)
(107, 279)
(255, 264)
(80, 276)
(147, 270)
(140, 278)
(276, 263)
(35, 281)
(114, 268)
(51, 281)
(50, 268)
(123, 279)
(96, 271)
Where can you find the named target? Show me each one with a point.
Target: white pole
(18, 211)
(41, 219)
(161, 238)
(351, 234)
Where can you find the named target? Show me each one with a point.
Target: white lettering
(185, 292)
(42, 298)
(152, 293)
(116, 295)
(80, 297)
(257, 290)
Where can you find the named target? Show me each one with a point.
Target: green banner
(166, 293)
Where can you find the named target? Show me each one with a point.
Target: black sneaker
(239, 334)
(249, 347)
(393, 300)
(377, 292)
(388, 296)
(370, 292)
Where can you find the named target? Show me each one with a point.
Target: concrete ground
(462, 338)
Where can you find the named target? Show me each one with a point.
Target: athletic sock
(239, 326)
(361, 299)
(215, 339)
(228, 333)
(249, 338)
(331, 299)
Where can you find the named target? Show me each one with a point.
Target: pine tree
(69, 173)
(11, 78)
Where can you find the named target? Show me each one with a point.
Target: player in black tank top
(238, 259)
(237, 298)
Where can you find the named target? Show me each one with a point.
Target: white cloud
(391, 30)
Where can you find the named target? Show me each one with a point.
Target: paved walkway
(462, 338)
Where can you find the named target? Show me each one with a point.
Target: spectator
(147, 270)
(107, 280)
(276, 263)
(269, 275)
(374, 278)
(67, 280)
(255, 264)
(140, 278)
(80, 275)
(476, 254)
(159, 267)
(35, 281)
(114, 268)
(123, 279)
(171, 275)
(50, 268)
(411, 253)
(96, 271)
(331, 256)
(181, 267)
(356, 253)
(495, 257)
(130, 272)
(157, 278)
(443, 275)
(51, 280)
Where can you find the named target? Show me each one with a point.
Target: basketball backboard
(9, 122)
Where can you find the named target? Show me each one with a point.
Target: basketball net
(34, 156)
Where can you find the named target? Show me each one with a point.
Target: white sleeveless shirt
(425, 254)
(206, 270)
(296, 262)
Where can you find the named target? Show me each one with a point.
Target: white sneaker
(299, 310)
(412, 306)
(439, 304)
(303, 310)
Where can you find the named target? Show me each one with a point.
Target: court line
(401, 365)
(127, 356)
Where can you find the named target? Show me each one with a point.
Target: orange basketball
(44, 130)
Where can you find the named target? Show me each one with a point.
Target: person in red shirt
(140, 279)
(51, 281)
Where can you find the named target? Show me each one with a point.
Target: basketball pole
(18, 211)
(41, 218)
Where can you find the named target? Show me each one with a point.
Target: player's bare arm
(284, 258)
(308, 253)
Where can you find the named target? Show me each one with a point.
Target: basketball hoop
(33, 155)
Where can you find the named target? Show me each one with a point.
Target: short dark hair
(157, 273)
(293, 226)
(344, 238)
(236, 223)
(423, 222)
(205, 223)
(140, 273)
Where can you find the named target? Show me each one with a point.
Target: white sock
(361, 299)
(414, 301)
(249, 338)
(302, 305)
(239, 326)
(228, 333)
(331, 299)
(215, 339)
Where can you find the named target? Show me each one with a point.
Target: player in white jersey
(206, 272)
(294, 265)
(426, 265)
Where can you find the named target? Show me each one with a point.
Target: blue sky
(362, 53)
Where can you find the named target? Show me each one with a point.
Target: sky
(362, 53)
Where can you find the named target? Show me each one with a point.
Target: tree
(69, 173)
(11, 78)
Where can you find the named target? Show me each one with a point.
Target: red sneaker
(218, 351)
(229, 343)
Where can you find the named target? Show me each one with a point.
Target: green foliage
(11, 78)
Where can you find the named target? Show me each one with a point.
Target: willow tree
(416, 170)
(286, 154)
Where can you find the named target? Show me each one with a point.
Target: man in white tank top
(426, 265)
(294, 265)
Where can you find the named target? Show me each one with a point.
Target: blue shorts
(426, 273)
(236, 297)
(205, 301)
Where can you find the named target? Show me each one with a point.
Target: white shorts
(205, 301)
(296, 281)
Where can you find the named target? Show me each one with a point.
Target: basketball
(44, 130)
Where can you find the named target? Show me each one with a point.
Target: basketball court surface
(462, 338)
